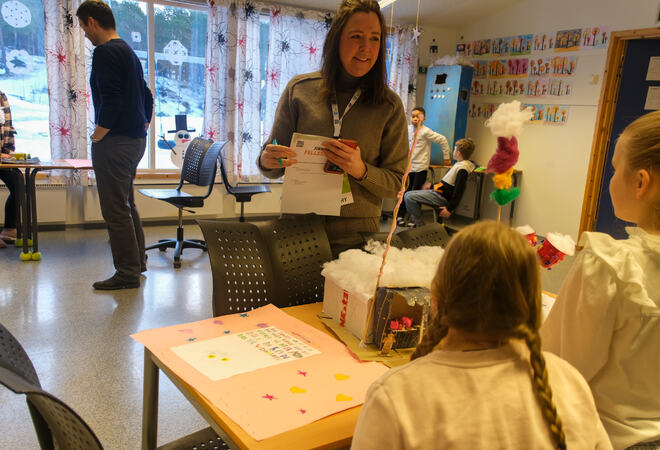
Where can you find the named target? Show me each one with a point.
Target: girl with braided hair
(478, 379)
(606, 320)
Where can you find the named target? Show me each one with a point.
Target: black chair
(277, 261)
(56, 424)
(433, 234)
(199, 168)
(243, 193)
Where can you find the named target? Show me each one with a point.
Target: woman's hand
(346, 157)
(6, 155)
(277, 157)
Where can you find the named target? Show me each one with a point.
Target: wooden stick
(499, 212)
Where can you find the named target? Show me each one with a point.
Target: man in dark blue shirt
(123, 106)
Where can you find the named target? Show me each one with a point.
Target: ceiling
(435, 13)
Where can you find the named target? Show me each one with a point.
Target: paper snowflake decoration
(16, 14)
(175, 52)
(136, 36)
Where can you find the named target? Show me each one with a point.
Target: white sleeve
(439, 139)
(581, 323)
(378, 427)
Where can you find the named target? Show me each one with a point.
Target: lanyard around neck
(336, 120)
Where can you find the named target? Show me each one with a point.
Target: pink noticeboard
(266, 370)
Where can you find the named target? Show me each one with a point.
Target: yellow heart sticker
(297, 390)
(211, 356)
(224, 359)
(341, 376)
(343, 398)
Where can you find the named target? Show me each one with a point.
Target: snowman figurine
(181, 139)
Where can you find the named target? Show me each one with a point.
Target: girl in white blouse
(478, 379)
(606, 320)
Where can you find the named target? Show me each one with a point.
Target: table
(27, 199)
(334, 431)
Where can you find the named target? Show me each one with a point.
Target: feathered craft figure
(506, 124)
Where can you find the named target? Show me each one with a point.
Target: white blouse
(606, 323)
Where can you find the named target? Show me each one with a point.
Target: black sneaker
(114, 283)
(400, 221)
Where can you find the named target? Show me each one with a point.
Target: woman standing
(347, 99)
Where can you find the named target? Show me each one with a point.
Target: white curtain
(295, 46)
(233, 92)
(402, 57)
(71, 112)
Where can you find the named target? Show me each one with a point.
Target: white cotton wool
(508, 120)
(562, 242)
(357, 271)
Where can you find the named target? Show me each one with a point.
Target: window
(178, 55)
(23, 74)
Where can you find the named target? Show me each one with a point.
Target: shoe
(8, 235)
(3, 244)
(410, 224)
(143, 267)
(400, 221)
(114, 283)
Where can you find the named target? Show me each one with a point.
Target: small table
(27, 198)
(334, 431)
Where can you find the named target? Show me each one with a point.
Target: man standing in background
(123, 106)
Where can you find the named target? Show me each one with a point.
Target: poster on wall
(521, 45)
(563, 65)
(556, 114)
(536, 87)
(539, 67)
(560, 87)
(517, 67)
(595, 37)
(478, 87)
(497, 68)
(568, 40)
(538, 116)
(543, 42)
(480, 69)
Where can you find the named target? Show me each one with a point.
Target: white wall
(554, 159)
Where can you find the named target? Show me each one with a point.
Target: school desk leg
(149, 403)
(36, 256)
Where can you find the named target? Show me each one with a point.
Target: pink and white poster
(266, 370)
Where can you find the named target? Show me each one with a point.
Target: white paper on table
(307, 187)
(653, 98)
(226, 356)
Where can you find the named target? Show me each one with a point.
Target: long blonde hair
(488, 282)
(642, 140)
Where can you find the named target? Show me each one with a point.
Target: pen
(274, 141)
(279, 160)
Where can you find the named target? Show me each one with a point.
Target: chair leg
(242, 217)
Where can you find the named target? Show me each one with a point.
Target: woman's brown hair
(488, 282)
(373, 83)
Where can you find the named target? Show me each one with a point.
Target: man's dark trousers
(115, 160)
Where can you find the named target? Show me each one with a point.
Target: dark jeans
(9, 177)
(115, 160)
(415, 182)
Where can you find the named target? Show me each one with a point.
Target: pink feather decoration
(506, 155)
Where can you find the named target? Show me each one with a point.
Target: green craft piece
(504, 196)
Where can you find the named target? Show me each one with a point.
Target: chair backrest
(200, 163)
(240, 264)
(298, 247)
(278, 261)
(14, 358)
(223, 173)
(430, 234)
(61, 425)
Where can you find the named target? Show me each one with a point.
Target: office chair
(243, 193)
(278, 261)
(433, 234)
(199, 168)
(56, 424)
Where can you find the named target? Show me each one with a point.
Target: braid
(540, 383)
(434, 334)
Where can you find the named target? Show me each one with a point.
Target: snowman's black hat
(181, 123)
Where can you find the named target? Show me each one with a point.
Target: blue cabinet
(446, 101)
